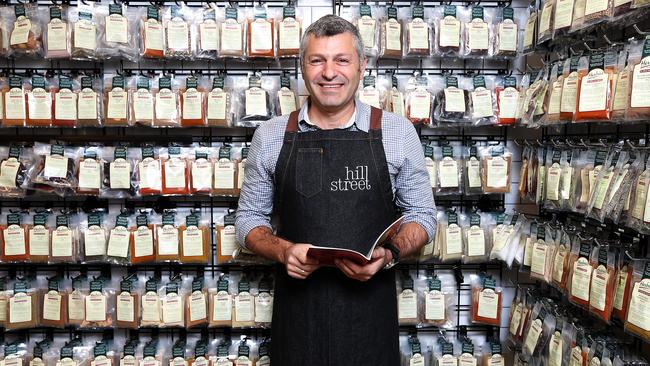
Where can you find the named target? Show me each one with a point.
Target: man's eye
(316, 61)
(343, 61)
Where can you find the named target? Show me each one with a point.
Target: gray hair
(328, 26)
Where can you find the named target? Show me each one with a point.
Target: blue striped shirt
(408, 174)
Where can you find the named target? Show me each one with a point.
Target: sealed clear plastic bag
(391, 34)
(151, 310)
(451, 249)
(93, 236)
(554, 95)
(168, 237)
(477, 241)
(452, 102)
(486, 300)
(119, 239)
(605, 182)
(15, 239)
(141, 100)
(14, 103)
(201, 169)
(195, 238)
(286, 97)
(232, 34)
(450, 26)
(495, 170)
(221, 303)
(418, 101)
(144, 231)
(57, 34)
(619, 198)
(39, 101)
(64, 96)
(127, 312)
(638, 60)
(637, 216)
(64, 242)
(449, 172)
(478, 37)
(542, 254)
(439, 303)
(84, 32)
(507, 34)
(167, 110)
(152, 39)
(220, 112)
(419, 33)
(15, 164)
(179, 32)
(545, 28)
(196, 304)
(261, 33)
(26, 34)
(635, 322)
(99, 305)
(603, 276)
(23, 305)
(289, 31)
(175, 177)
(505, 236)
(571, 70)
(116, 101)
(431, 164)
(530, 29)
(207, 43)
(578, 283)
(507, 97)
(118, 172)
(408, 302)
(257, 104)
(482, 101)
(594, 99)
(538, 330)
(56, 165)
(149, 172)
(90, 168)
(474, 178)
(90, 104)
(172, 300)
(117, 32)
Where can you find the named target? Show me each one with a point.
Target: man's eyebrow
(324, 56)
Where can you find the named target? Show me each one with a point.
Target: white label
(125, 308)
(192, 104)
(201, 174)
(40, 104)
(198, 309)
(598, 291)
(621, 282)
(244, 311)
(454, 99)
(639, 302)
(167, 240)
(407, 305)
(569, 93)
(39, 240)
(256, 102)
(454, 240)
(434, 305)
(20, 308)
(287, 101)
(228, 242)
(76, 306)
(263, 307)
(558, 265)
(431, 169)
(151, 307)
(15, 104)
(175, 173)
(224, 174)
(529, 32)
(448, 172)
(640, 94)
(488, 304)
(475, 241)
(261, 35)
(593, 91)
(482, 103)
(56, 166)
(545, 18)
(117, 104)
(595, 6)
(178, 35)
(555, 350)
(20, 33)
(193, 241)
(217, 104)
(368, 29)
(65, 106)
(418, 34)
(540, 251)
(497, 172)
(621, 96)
(90, 174)
(143, 242)
(52, 306)
(172, 309)
(118, 244)
(449, 32)
(62, 242)
(94, 241)
(166, 105)
(85, 35)
(553, 182)
(508, 36)
(231, 36)
(396, 102)
(87, 105)
(420, 104)
(563, 14)
(96, 307)
(556, 97)
(515, 319)
(478, 34)
(57, 35)
(581, 279)
(222, 306)
(143, 105)
(474, 173)
(393, 34)
(209, 33)
(289, 34)
(120, 174)
(416, 360)
(14, 238)
(117, 29)
(150, 174)
(532, 336)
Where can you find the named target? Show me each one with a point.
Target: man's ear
(362, 67)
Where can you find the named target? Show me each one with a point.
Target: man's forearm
(410, 239)
(261, 241)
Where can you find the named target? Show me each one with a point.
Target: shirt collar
(360, 117)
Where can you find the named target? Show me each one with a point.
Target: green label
(90, 153)
(574, 63)
(10, 349)
(119, 152)
(602, 255)
(86, 82)
(254, 81)
(475, 219)
(174, 150)
(265, 349)
(418, 12)
(217, 82)
(150, 348)
(84, 15)
(447, 348)
(165, 82)
(364, 10)
(197, 284)
(450, 10)
(192, 220)
(557, 154)
(368, 81)
(451, 81)
(99, 349)
(489, 283)
(118, 82)
(231, 13)
(20, 287)
(142, 83)
(142, 220)
(585, 250)
(244, 152)
(265, 285)
(601, 156)
(129, 349)
(597, 61)
(392, 12)
(447, 152)
(260, 12)
(191, 83)
(169, 218)
(434, 284)
(407, 283)
(15, 82)
(428, 151)
(646, 270)
(224, 152)
(200, 154)
(646, 47)
(65, 82)
(244, 286)
(467, 347)
(14, 151)
(611, 58)
(126, 285)
(500, 218)
(477, 12)
(452, 218)
(209, 14)
(416, 347)
(473, 152)
(223, 350)
(114, 9)
(152, 12)
(147, 152)
(179, 349)
(497, 151)
(66, 352)
(393, 81)
(496, 348)
(541, 232)
(40, 219)
(289, 12)
(421, 81)
(94, 219)
(38, 81)
(542, 314)
(96, 285)
(55, 12)
(151, 285)
(508, 13)
(243, 350)
(229, 220)
(19, 10)
(285, 82)
(200, 349)
(171, 288)
(62, 220)
(53, 284)
(222, 284)
(513, 219)
(479, 81)
(176, 11)
(122, 220)
(13, 219)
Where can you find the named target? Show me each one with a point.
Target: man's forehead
(339, 44)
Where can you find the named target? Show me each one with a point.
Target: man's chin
(331, 103)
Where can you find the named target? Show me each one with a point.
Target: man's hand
(298, 264)
(380, 257)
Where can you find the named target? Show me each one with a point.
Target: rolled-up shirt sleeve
(413, 193)
(256, 197)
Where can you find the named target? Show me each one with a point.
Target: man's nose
(329, 71)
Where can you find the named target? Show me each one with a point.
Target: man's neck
(328, 120)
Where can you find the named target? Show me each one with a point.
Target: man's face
(331, 70)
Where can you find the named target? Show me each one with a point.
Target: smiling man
(338, 171)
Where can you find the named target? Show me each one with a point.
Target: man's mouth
(330, 86)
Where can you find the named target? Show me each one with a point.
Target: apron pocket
(309, 171)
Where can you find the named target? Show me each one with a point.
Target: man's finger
(297, 274)
(353, 266)
(344, 268)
